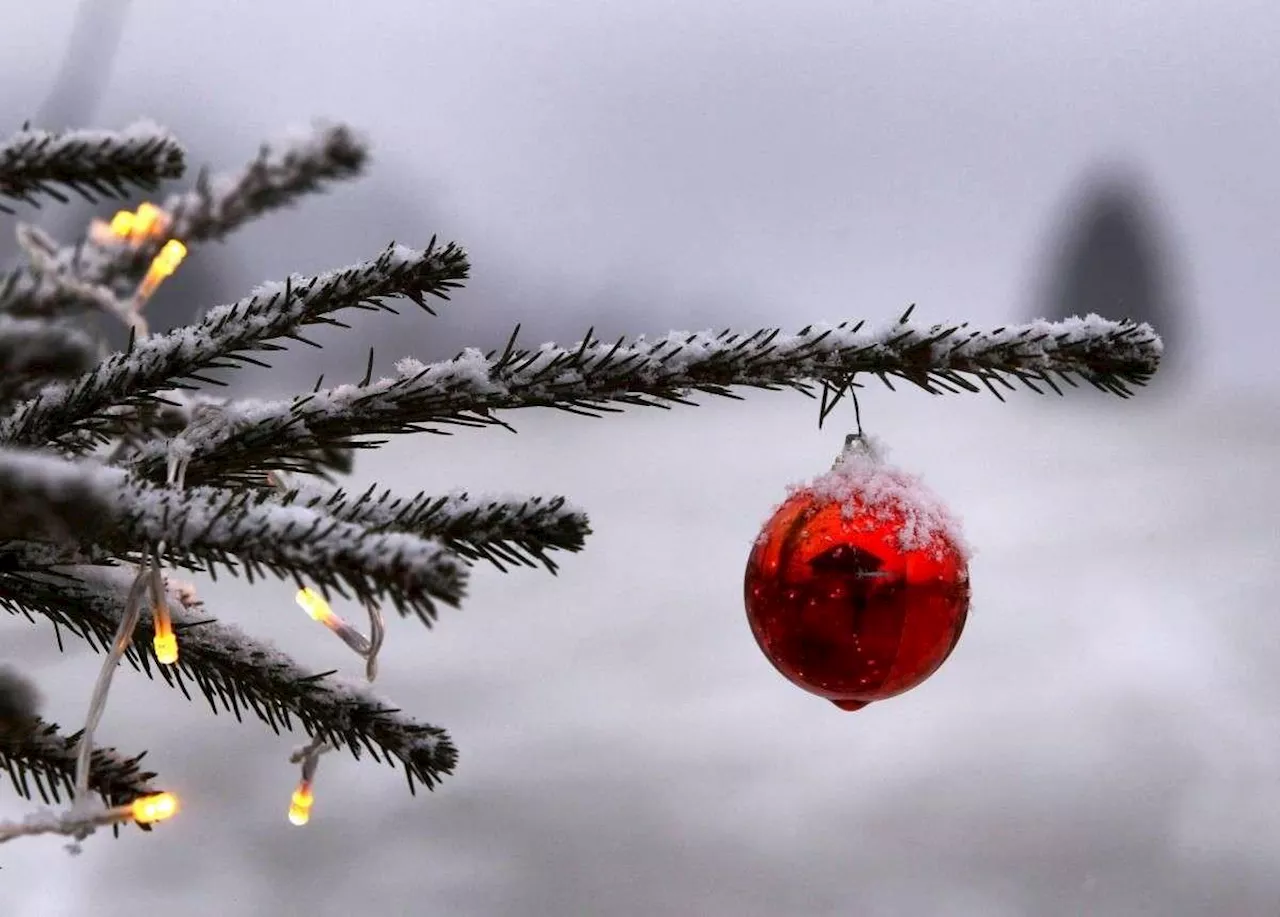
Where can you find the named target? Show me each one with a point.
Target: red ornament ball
(857, 588)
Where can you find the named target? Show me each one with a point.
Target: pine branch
(30, 294)
(233, 672)
(226, 335)
(91, 163)
(47, 498)
(591, 377)
(277, 178)
(283, 172)
(46, 760)
(515, 530)
(206, 527)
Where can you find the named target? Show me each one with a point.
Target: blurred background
(1104, 739)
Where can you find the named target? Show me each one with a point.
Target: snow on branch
(225, 335)
(31, 294)
(511, 529)
(235, 673)
(592, 376)
(41, 761)
(92, 163)
(47, 498)
(301, 163)
(298, 164)
(283, 171)
(204, 527)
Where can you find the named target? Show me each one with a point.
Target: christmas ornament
(857, 588)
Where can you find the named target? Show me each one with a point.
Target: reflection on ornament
(858, 588)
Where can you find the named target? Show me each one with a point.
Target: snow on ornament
(857, 588)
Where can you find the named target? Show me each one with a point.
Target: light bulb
(153, 808)
(300, 804)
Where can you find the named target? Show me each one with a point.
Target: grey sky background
(1103, 739)
(643, 165)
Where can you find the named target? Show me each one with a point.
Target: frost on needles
(119, 471)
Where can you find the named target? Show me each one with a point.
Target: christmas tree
(119, 469)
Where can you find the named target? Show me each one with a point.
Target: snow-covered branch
(91, 163)
(42, 761)
(283, 171)
(593, 377)
(301, 163)
(25, 293)
(225, 335)
(235, 673)
(86, 502)
(499, 529)
(48, 499)
(204, 527)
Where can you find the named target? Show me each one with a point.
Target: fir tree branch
(283, 171)
(515, 530)
(226, 335)
(591, 377)
(28, 294)
(233, 672)
(205, 527)
(46, 760)
(87, 503)
(91, 163)
(277, 178)
(47, 499)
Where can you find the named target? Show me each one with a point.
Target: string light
(309, 756)
(82, 820)
(314, 604)
(163, 265)
(146, 223)
(146, 810)
(165, 641)
(300, 804)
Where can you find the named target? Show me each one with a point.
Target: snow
(290, 165)
(863, 483)
(292, 535)
(137, 136)
(439, 391)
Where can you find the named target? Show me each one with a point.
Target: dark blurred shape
(1109, 258)
(73, 100)
(81, 80)
(19, 704)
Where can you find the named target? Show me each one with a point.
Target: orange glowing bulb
(157, 807)
(300, 804)
(163, 265)
(165, 642)
(166, 647)
(313, 603)
(122, 224)
(147, 221)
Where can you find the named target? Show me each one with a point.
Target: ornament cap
(860, 445)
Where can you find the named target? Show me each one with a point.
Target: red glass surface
(842, 610)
